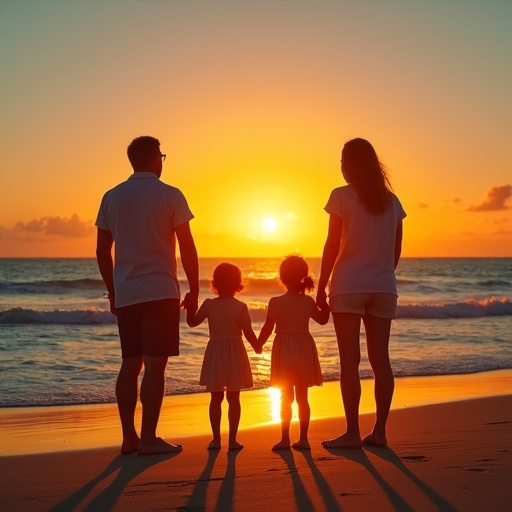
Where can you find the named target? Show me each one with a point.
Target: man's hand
(190, 302)
(112, 301)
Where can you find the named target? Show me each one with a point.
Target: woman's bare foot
(235, 446)
(375, 439)
(282, 445)
(158, 445)
(214, 445)
(343, 441)
(130, 445)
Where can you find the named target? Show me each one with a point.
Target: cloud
(71, 227)
(495, 200)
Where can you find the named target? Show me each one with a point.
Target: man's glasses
(162, 156)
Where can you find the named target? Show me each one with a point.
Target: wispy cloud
(495, 200)
(71, 227)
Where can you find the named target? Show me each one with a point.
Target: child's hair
(361, 168)
(294, 274)
(227, 279)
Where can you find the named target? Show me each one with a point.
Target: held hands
(190, 302)
(321, 300)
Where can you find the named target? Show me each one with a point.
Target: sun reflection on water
(275, 406)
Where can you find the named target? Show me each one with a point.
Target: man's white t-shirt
(366, 259)
(142, 214)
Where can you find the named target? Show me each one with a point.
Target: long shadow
(302, 500)
(227, 489)
(359, 456)
(390, 456)
(394, 497)
(129, 467)
(197, 500)
(326, 493)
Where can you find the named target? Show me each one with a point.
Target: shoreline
(47, 429)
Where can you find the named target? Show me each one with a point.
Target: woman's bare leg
(377, 342)
(348, 326)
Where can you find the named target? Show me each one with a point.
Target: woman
(362, 251)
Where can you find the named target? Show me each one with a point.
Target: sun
(269, 224)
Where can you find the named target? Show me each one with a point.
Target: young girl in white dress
(294, 360)
(226, 365)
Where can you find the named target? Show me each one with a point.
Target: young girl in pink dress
(226, 364)
(294, 360)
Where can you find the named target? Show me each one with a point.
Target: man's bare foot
(235, 446)
(130, 445)
(157, 446)
(282, 445)
(301, 445)
(343, 441)
(214, 445)
(375, 439)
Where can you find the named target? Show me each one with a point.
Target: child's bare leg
(287, 397)
(301, 395)
(234, 413)
(215, 416)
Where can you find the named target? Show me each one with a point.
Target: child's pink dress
(225, 364)
(294, 355)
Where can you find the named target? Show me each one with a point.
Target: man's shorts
(150, 328)
(382, 305)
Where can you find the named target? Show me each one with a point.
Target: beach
(450, 445)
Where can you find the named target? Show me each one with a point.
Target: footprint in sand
(415, 458)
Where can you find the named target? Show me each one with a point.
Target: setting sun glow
(269, 224)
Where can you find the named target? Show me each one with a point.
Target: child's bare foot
(282, 445)
(214, 445)
(235, 446)
(158, 445)
(301, 445)
(343, 441)
(130, 445)
(375, 439)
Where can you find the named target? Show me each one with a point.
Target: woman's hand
(321, 299)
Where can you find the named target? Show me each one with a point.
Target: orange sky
(252, 102)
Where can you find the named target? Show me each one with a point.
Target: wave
(60, 286)
(472, 308)
(55, 287)
(93, 316)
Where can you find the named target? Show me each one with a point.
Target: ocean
(59, 343)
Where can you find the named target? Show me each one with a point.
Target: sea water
(59, 342)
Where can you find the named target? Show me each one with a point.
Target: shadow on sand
(398, 502)
(197, 500)
(129, 466)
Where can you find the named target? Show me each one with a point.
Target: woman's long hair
(361, 168)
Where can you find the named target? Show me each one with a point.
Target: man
(141, 218)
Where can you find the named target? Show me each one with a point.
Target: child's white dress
(294, 360)
(225, 364)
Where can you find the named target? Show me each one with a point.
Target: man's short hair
(142, 150)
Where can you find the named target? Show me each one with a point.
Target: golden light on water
(275, 404)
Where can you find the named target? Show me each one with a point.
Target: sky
(252, 102)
